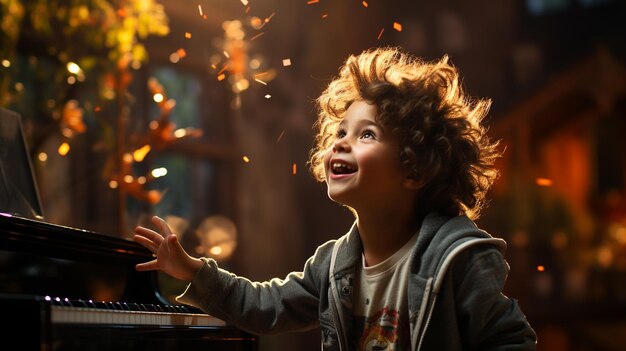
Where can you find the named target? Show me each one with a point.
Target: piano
(63, 288)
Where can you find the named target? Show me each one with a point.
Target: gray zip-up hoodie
(455, 293)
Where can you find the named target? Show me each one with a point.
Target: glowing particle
(544, 181)
(64, 148)
(140, 154)
(226, 54)
(128, 178)
(42, 156)
(246, 159)
(324, 16)
(6, 63)
(200, 10)
(256, 36)
(286, 62)
(260, 81)
(113, 184)
(397, 26)
(267, 96)
(221, 77)
(312, 2)
(293, 169)
(280, 136)
(187, 35)
(381, 33)
(244, 2)
(364, 3)
(541, 268)
(181, 52)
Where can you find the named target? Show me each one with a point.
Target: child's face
(362, 167)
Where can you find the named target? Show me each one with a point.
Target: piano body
(70, 289)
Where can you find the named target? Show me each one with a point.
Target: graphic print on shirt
(379, 332)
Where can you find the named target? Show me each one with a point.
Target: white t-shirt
(380, 308)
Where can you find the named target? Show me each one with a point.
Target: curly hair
(442, 142)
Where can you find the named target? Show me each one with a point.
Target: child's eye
(368, 134)
(341, 133)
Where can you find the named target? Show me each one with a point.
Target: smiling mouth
(341, 168)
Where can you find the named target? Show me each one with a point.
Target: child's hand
(171, 258)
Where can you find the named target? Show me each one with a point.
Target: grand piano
(64, 288)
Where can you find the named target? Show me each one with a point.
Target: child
(402, 147)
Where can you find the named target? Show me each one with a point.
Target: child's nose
(341, 144)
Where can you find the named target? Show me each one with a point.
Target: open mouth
(341, 168)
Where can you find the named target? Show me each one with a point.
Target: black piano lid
(52, 240)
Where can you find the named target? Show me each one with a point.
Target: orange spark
(293, 169)
(544, 181)
(221, 77)
(364, 3)
(260, 81)
(381, 33)
(312, 2)
(187, 35)
(64, 149)
(246, 159)
(541, 268)
(181, 52)
(324, 16)
(200, 9)
(397, 26)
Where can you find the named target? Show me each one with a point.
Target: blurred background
(202, 112)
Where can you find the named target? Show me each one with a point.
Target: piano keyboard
(66, 311)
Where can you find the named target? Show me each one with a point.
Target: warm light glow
(187, 35)
(541, 268)
(141, 180)
(128, 158)
(6, 63)
(140, 154)
(267, 96)
(246, 159)
(42, 156)
(397, 26)
(286, 62)
(64, 149)
(364, 3)
(113, 184)
(181, 132)
(293, 169)
(128, 178)
(158, 97)
(159, 172)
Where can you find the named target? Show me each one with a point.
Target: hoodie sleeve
(270, 307)
(491, 320)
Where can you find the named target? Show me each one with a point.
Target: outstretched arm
(171, 258)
